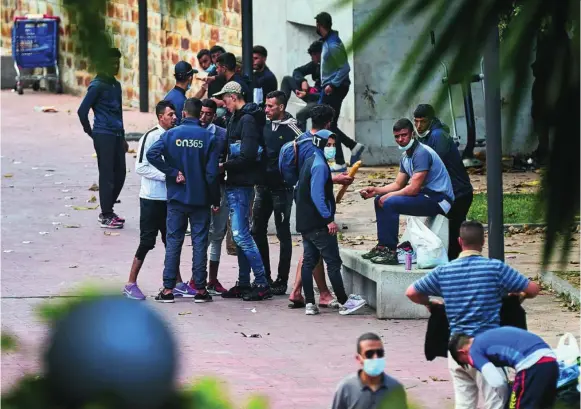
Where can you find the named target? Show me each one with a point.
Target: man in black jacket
(273, 196)
(264, 81)
(244, 170)
(300, 86)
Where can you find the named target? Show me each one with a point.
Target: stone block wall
(171, 39)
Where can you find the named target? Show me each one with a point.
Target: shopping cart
(35, 44)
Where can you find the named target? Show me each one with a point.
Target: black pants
(317, 244)
(335, 100)
(110, 151)
(535, 387)
(152, 219)
(290, 85)
(456, 216)
(266, 202)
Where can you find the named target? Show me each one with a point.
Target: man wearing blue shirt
(537, 370)
(429, 192)
(184, 74)
(188, 157)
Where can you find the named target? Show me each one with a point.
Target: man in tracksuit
(104, 97)
(335, 85)
(184, 75)
(316, 222)
(430, 131)
(188, 157)
(273, 195)
(244, 170)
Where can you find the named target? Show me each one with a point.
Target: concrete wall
(171, 39)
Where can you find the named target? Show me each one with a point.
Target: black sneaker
(258, 293)
(374, 252)
(238, 291)
(101, 217)
(279, 287)
(202, 297)
(165, 298)
(386, 256)
(111, 222)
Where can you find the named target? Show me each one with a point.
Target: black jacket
(276, 134)
(438, 333)
(265, 80)
(314, 70)
(246, 126)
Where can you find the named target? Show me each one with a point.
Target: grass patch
(572, 277)
(518, 208)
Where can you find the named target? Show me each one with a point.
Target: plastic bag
(431, 251)
(568, 374)
(438, 225)
(567, 350)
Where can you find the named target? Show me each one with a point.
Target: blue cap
(320, 138)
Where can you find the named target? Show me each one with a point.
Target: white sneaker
(335, 167)
(311, 309)
(356, 153)
(353, 303)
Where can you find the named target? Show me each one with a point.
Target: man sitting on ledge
(429, 192)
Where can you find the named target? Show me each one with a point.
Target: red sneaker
(215, 288)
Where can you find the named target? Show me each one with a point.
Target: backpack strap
(296, 149)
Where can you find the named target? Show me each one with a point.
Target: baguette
(352, 173)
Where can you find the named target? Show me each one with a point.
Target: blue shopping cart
(35, 44)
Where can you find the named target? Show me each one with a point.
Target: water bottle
(408, 261)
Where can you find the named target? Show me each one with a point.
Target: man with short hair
(205, 61)
(273, 196)
(264, 82)
(472, 287)
(370, 387)
(152, 204)
(184, 75)
(104, 97)
(215, 52)
(243, 171)
(298, 84)
(335, 85)
(428, 193)
(430, 131)
(187, 155)
(316, 217)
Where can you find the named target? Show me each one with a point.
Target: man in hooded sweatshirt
(273, 195)
(244, 170)
(430, 131)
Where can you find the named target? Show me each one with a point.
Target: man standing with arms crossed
(472, 287)
(188, 157)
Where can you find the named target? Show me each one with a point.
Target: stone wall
(171, 39)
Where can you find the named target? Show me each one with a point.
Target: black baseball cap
(184, 70)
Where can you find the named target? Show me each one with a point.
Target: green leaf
(8, 342)
(55, 309)
(257, 402)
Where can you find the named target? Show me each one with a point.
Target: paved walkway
(298, 361)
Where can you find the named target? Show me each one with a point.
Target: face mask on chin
(409, 145)
(374, 367)
(422, 134)
(211, 68)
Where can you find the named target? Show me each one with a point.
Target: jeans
(218, 227)
(388, 215)
(177, 223)
(110, 151)
(456, 216)
(266, 202)
(335, 100)
(239, 199)
(317, 244)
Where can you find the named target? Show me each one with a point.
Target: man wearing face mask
(184, 74)
(430, 131)
(421, 188)
(370, 387)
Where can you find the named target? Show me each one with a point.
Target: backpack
(288, 161)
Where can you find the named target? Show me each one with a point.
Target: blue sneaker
(184, 290)
(356, 153)
(133, 292)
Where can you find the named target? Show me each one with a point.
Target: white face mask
(425, 133)
(409, 145)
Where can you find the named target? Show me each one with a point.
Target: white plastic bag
(431, 251)
(438, 225)
(568, 350)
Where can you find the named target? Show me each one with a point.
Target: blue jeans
(177, 223)
(248, 254)
(388, 215)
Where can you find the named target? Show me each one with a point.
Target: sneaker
(356, 153)
(202, 297)
(238, 291)
(133, 292)
(353, 303)
(311, 309)
(111, 222)
(258, 293)
(279, 287)
(216, 288)
(165, 298)
(335, 167)
(184, 290)
(374, 252)
(121, 219)
(386, 256)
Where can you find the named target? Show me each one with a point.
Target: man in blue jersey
(472, 287)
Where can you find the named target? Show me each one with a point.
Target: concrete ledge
(561, 286)
(382, 286)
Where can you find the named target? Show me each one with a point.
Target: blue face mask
(211, 68)
(330, 152)
(409, 145)
(374, 367)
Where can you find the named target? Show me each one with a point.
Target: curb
(133, 136)
(561, 286)
(528, 225)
